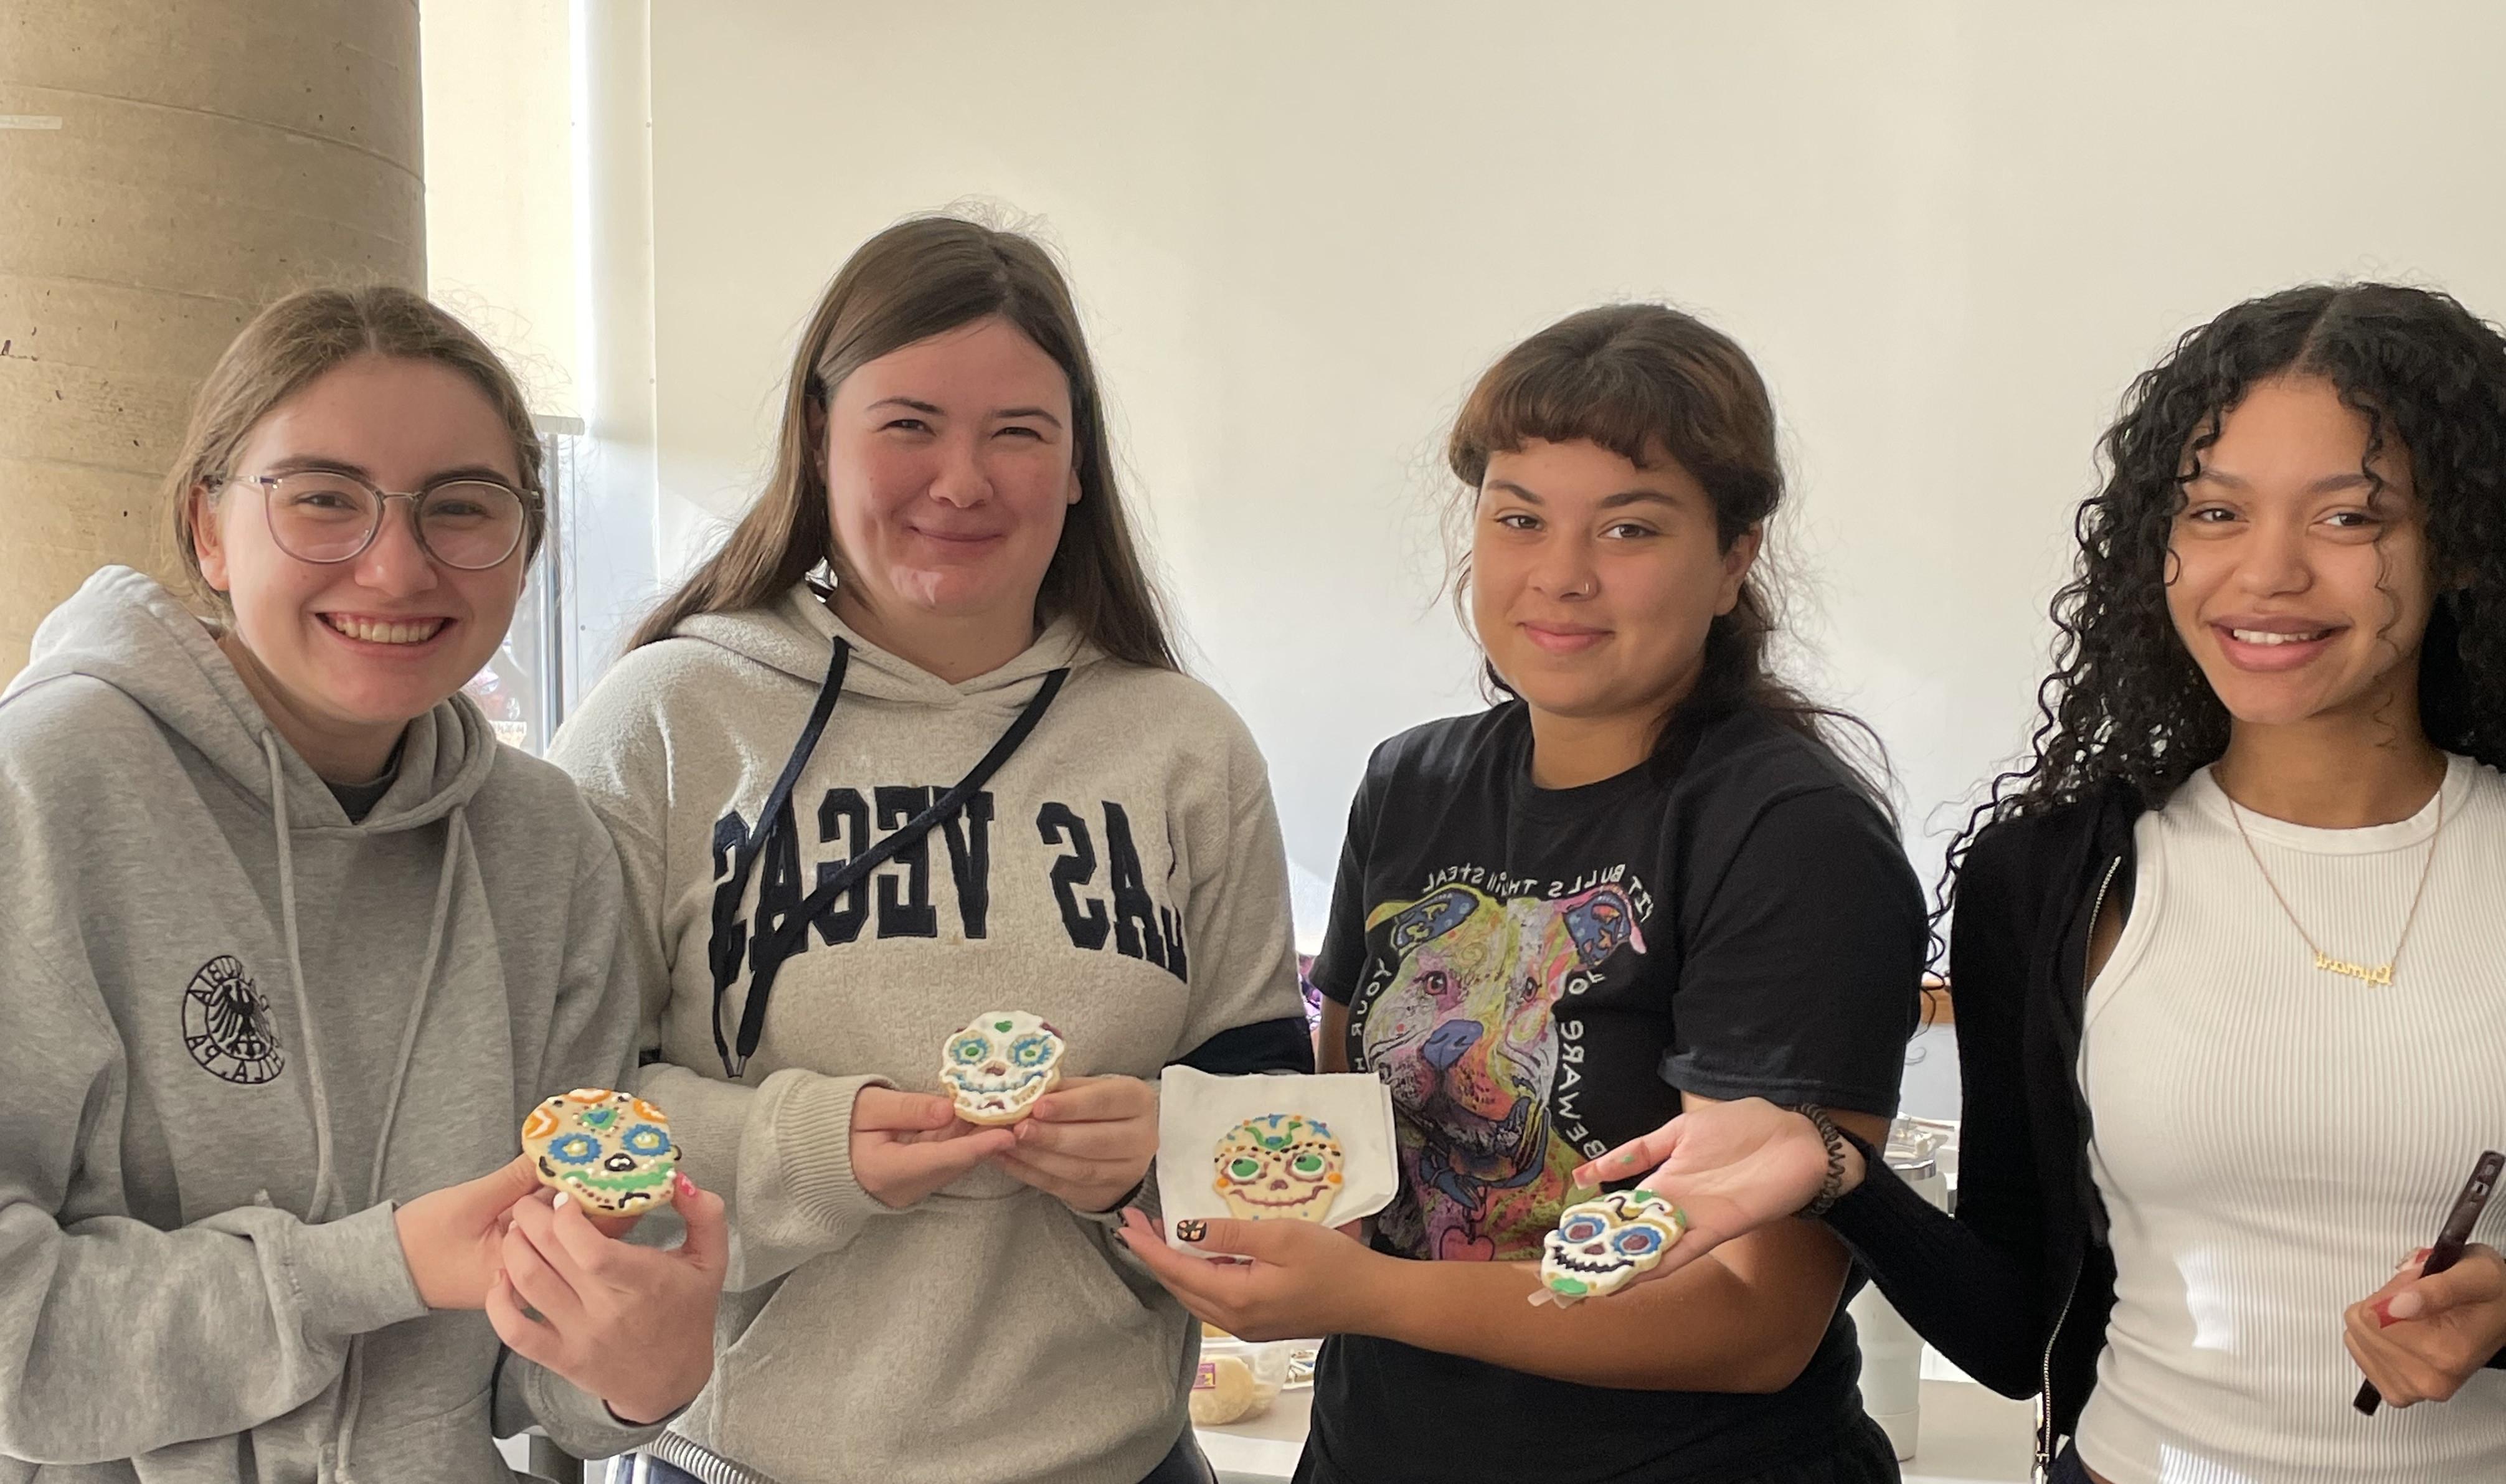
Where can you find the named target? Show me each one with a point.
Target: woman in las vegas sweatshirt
(916, 1298)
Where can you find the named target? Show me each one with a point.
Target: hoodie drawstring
(457, 836)
(295, 970)
(456, 833)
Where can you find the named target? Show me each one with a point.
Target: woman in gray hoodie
(968, 777)
(292, 943)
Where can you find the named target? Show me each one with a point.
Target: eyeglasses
(323, 515)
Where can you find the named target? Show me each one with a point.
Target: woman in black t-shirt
(1643, 882)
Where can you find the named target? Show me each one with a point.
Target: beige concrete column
(165, 171)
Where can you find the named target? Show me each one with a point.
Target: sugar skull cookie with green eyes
(997, 1064)
(1280, 1164)
(1602, 1244)
(610, 1150)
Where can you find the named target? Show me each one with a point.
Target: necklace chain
(2381, 976)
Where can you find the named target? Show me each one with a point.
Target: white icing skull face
(999, 1063)
(1601, 1245)
(1278, 1165)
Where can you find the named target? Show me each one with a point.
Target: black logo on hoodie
(227, 1026)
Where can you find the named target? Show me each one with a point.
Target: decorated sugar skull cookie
(1602, 1244)
(1278, 1165)
(612, 1151)
(998, 1064)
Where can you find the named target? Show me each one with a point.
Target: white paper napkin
(1195, 1110)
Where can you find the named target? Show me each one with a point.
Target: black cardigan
(2016, 1288)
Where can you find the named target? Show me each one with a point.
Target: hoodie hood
(794, 635)
(123, 628)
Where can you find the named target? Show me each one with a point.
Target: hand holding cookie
(632, 1325)
(906, 1145)
(1299, 1277)
(453, 1238)
(1089, 1142)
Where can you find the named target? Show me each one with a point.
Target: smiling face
(1278, 1166)
(950, 469)
(345, 654)
(2299, 588)
(997, 1064)
(1592, 579)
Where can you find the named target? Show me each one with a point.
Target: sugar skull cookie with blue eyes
(612, 1151)
(1278, 1165)
(1601, 1245)
(997, 1064)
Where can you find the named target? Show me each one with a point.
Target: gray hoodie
(1120, 876)
(240, 1027)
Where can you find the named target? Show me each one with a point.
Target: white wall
(1950, 234)
(500, 238)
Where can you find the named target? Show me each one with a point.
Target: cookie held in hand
(1278, 1165)
(1602, 1244)
(610, 1150)
(997, 1064)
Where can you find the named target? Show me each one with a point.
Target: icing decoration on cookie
(1278, 1165)
(997, 1064)
(610, 1150)
(1602, 1244)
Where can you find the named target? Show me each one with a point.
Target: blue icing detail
(647, 1141)
(575, 1148)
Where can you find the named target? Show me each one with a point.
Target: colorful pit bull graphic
(1463, 1035)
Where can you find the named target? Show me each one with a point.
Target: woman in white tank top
(2227, 950)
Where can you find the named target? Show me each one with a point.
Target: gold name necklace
(2381, 975)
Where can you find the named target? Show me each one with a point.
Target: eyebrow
(1004, 413)
(1608, 502)
(315, 463)
(2327, 484)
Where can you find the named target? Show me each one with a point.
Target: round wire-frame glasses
(328, 516)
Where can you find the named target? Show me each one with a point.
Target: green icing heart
(1001, 1025)
(600, 1117)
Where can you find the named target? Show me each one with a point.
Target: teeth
(2265, 637)
(417, 633)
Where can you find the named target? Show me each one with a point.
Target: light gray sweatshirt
(1121, 875)
(238, 1027)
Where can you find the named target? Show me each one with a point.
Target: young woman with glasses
(293, 944)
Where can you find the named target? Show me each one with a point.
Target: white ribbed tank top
(2271, 1138)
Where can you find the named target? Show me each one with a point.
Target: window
(523, 690)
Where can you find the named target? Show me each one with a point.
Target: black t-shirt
(1538, 974)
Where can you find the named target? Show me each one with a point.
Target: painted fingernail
(1189, 1230)
(680, 1184)
(2383, 1310)
(561, 1201)
(2405, 1305)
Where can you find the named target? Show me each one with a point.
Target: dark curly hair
(2125, 705)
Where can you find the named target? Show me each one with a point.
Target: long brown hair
(298, 339)
(1651, 383)
(918, 279)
